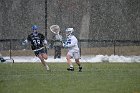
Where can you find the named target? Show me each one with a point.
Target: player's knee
(41, 58)
(45, 57)
(67, 58)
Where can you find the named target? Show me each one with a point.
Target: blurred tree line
(91, 19)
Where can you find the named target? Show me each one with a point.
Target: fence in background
(87, 47)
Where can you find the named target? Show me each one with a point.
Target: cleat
(80, 69)
(47, 68)
(70, 69)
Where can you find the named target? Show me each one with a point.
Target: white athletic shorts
(74, 54)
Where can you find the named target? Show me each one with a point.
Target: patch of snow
(88, 58)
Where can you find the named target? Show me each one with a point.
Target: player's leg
(39, 54)
(68, 57)
(77, 57)
(59, 51)
(79, 64)
(44, 57)
(55, 52)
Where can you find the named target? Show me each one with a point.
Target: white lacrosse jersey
(72, 43)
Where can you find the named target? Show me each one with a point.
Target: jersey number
(36, 42)
(68, 41)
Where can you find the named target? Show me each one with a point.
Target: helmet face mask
(69, 31)
(34, 31)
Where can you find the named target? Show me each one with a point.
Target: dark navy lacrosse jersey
(36, 40)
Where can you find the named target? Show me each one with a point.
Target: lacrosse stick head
(55, 29)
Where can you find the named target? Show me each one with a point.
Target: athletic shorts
(40, 51)
(74, 54)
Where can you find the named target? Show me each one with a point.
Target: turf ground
(95, 78)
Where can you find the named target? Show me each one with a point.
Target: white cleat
(47, 67)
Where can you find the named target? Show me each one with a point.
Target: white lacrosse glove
(24, 42)
(65, 46)
(48, 46)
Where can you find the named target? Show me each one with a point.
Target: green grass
(95, 78)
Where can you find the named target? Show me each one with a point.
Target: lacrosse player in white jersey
(73, 50)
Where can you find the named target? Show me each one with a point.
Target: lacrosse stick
(56, 29)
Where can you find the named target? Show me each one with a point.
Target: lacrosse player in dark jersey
(38, 42)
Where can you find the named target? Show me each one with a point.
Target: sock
(71, 65)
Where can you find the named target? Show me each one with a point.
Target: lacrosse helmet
(34, 27)
(69, 31)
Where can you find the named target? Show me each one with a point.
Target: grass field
(95, 78)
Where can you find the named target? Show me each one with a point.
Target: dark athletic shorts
(40, 51)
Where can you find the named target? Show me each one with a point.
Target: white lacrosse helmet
(69, 31)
